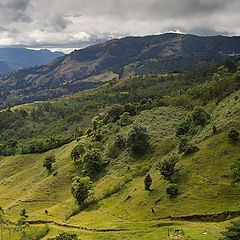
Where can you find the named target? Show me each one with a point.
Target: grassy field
(123, 209)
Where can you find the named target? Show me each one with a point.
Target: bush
(114, 113)
(138, 140)
(23, 212)
(167, 166)
(125, 119)
(93, 162)
(233, 232)
(172, 190)
(200, 117)
(214, 129)
(120, 142)
(235, 171)
(233, 134)
(48, 161)
(80, 188)
(96, 122)
(186, 147)
(183, 128)
(77, 151)
(65, 236)
(147, 182)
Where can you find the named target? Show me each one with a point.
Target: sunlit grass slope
(122, 203)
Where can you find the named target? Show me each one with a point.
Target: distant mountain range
(13, 59)
(80, 69)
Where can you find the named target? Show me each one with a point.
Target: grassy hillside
(122, 203)
(64, 75)
(34, 125)
(193, 123)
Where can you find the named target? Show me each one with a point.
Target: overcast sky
(70, 24)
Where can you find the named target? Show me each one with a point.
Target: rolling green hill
(64, 75)
(120, 207)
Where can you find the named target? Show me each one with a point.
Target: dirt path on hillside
(38, 222)
(219, 217)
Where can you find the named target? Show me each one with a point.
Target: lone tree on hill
(77, 152)
(233, 134)
(235, 173)
(93, 162)
(138, 140)
(23, 212)
(80, 188)
(167, 167)
(147, 182)
(48, 161)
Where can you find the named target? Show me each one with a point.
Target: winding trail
(219, 217)
(38, 222)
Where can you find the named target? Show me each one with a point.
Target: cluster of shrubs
(186, 147)
(13, 146)
(65, 236)
(168, 170)
(198, 117)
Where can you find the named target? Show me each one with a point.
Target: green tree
(65, 236)
(235, 171)
(233, 134)
(120, 142)
(147, 182)
(186, 147)
(93, 162)
(200, 117)
(1, 214)
(232, 232)
(80, 188)
(96, 122)
(138, 140)
(167, 167)
(172, 190)
(125, 119)
(77, 152)
(114, 113)
(48, 161)
(23, 212)
(183, 127)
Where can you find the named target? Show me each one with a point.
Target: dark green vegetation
(43, 126)
(233, 232)
(80, 188)
(87, 68)
(48, 162)
(167, 134)
(17, 58)
(235, 173)
(147, 182)
(65, 236)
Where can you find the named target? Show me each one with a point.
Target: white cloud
(76, 23)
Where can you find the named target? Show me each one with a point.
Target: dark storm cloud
(74, 22)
